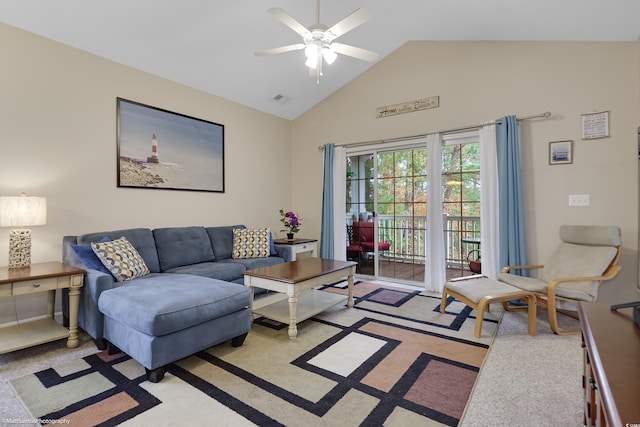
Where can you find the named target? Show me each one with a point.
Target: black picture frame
(161, 149)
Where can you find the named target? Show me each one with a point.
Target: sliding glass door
(461, 206)
(402, 207)
(386, 213)
(361, 212)
(386, 209)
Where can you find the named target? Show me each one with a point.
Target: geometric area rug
(392, 360)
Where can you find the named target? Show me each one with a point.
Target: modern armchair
(586, 256)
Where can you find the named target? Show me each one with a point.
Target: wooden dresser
(611, 379)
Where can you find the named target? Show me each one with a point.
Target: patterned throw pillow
(248, 243)
(121, 259)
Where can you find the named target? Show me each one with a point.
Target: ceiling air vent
(281, 99)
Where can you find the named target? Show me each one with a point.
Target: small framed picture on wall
(595, 125)
(560, 152)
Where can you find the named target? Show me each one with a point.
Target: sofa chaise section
(153, 325)
(90, 319)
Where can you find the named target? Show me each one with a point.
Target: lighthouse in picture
(154, 150)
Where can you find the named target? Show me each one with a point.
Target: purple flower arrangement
(290, 221)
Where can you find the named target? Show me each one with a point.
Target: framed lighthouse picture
(166, 150)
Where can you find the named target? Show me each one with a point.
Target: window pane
(470, 186)
(450, 158)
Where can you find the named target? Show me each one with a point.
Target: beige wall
(480, 81)
(58, 139)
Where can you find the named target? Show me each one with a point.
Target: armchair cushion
(581, 291)
(600, 235)
(571, 260)
(585, 251)
(531, 284)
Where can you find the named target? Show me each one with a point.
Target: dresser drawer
(31, 286)
(5, 290)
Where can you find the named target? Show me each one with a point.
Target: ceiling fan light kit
(318, 39)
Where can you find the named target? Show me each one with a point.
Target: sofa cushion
(161, 304)
(89, 258)
(251, 243)
(141, 239)
(178, 246)
(272, 245)
(215, 270)
(121, 259)
(222, 240)
(251, 263)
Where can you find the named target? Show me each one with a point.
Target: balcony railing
(406, 235)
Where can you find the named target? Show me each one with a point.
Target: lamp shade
(22, 211)
(311, 52)
(329, 55)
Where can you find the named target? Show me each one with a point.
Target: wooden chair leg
(480, 309)
(532, 312)
(443, 301)
(553, 320)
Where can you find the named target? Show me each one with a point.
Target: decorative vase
(290, 236)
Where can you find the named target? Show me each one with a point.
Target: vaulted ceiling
(210, 44)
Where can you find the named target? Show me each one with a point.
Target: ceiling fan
(318, 39)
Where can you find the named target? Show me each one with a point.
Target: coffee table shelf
(309, 304)
(298, 280)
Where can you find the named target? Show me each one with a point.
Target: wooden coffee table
(297, 279)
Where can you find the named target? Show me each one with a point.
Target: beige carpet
(529, 381)
(525, 381)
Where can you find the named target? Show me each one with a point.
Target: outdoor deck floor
(405, 271)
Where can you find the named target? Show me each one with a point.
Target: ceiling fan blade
(281, 49)
(357, 18)
(355, 52)
(288, 20)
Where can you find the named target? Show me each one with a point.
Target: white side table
(41, 277)
(298, 248)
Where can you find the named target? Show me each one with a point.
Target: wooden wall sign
(408, 107)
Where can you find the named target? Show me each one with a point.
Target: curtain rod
(545, 115)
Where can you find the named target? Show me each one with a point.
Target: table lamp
(21, 211)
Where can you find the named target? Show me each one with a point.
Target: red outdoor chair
(354, 250)
(363, 238)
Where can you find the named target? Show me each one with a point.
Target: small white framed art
(560, 152)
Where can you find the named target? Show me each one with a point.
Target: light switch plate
(579, 200)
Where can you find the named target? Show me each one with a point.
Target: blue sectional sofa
(192, 298)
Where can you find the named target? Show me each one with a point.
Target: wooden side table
(41, 277)
(299, 246)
